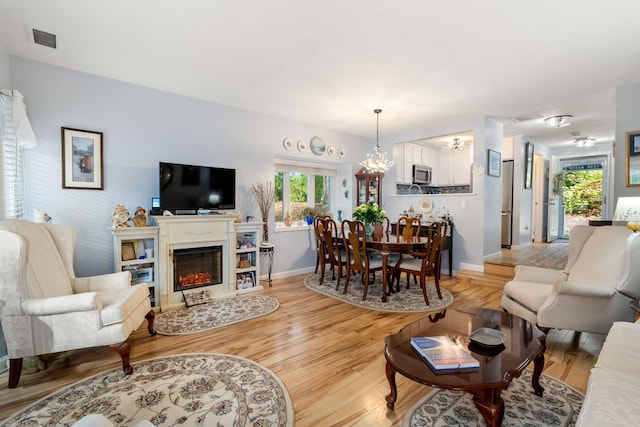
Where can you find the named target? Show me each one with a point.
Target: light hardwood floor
(327, 353)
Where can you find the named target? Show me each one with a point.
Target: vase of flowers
(369, 214)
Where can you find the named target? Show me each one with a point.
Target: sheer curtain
(16, 135)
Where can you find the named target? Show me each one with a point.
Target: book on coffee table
(442, 353)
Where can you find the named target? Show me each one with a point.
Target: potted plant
(308, 214)
(369, 214)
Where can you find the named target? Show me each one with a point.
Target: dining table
(389, 243)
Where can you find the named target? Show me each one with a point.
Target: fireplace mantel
(193, 231)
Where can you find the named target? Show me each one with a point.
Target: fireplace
(197, 267)
(200, 249)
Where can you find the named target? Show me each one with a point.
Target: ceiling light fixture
(558, 121)
(377, 162)
(454, 145)
(584, 141)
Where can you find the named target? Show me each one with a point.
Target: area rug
(553, 256)
(217, 314)
(406, 301)
(205, 389)
(559, 406)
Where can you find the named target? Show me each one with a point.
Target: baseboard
(472, 267)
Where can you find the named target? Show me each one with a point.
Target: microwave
(422, 174)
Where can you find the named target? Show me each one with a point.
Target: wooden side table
(267, 249)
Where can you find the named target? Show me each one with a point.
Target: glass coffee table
(499, 364)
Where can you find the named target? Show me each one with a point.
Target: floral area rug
(559, 406)
(407, 300)
(220, 313)
(204, 389)
(553, 256)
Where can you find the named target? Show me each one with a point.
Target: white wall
(627, 120)
(141, 127)
(468, 211)
(5, 71)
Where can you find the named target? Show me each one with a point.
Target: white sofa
(613, 393)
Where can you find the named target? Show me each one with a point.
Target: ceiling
(330, 63)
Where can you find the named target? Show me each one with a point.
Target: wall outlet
(463, 204)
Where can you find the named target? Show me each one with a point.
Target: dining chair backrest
(408, 228)
(434, 244)
(386, 225)
(353, 236)
(328, 236)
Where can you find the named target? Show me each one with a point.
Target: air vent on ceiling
(44, 38)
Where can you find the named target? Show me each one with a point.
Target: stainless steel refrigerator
(507, 202)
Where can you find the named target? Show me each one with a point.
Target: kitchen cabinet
(406, 155)
(454, 167)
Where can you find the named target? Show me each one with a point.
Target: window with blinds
(12, 178)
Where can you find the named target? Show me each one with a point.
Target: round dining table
(390, 243)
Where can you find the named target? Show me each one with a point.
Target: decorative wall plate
(302, 145)
(287, 144)
(317, 145)
(331, 150)
(342, 152)
(426, 204)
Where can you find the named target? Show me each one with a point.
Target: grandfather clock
(369, 187)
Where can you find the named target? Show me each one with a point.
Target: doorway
(581, 184)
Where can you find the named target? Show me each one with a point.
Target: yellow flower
(369, 213)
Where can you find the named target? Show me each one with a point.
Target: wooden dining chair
(407, 229)
(317, 235)
(331, 252)
(424, 264)
(358, 260)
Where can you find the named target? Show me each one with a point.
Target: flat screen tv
(185, 189)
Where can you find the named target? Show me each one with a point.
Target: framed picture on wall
(633, 158)
(528, 165)
(494, 163)
(82, 165)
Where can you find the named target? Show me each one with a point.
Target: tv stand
(185, 212)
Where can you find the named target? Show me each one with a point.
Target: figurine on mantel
(140, 217)
(120, 217)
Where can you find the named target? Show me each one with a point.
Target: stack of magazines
(443, 354)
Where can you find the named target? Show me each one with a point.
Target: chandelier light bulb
(377, 162)
(454, 145)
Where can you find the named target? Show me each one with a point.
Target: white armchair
(601, 278)
(45, 309)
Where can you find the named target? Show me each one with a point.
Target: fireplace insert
(197, 267)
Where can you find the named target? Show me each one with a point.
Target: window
(15, 135)
(299, 186)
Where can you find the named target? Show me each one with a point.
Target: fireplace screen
(197, 267)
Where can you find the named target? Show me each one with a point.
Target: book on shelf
(442, 353)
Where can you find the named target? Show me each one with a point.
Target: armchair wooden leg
(123, 350)
(150, 316)
(15, 369)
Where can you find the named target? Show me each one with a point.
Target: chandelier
(454, 145)
(558, 121)
(584, 141)
(377, 162)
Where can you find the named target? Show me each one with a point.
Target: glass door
(583, 186)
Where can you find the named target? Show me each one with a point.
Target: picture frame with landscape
(633, 159)
(494, 163)
(82, 163)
